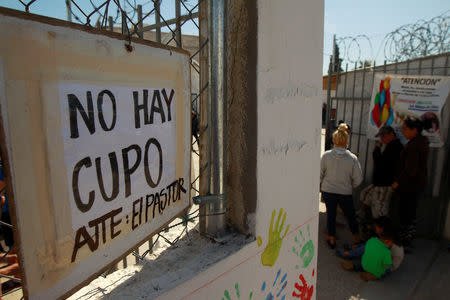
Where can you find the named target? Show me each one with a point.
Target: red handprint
(305, 292)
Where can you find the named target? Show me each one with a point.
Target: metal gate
(349, 100)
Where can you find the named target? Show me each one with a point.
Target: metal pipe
(345, 92)
(367, 140)
(353, 105)
(69, 10)
(111, 23)
(337, 91)
(446, 65)
(445, 173)
(328, 124)
(328, 116)
(215, 211)
(157, 5)
(124, 23)
(178, 23)
(361, 106)
(140, 26)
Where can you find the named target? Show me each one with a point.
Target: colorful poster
(397, 97)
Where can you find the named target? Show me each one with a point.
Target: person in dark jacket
(385, 162)
(412, 178)
(377, 196)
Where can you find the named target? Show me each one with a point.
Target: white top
(340, 171)
(397, 253)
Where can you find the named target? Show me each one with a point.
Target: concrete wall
(286, 107)
(242, 121)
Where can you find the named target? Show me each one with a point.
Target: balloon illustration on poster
(382, 113)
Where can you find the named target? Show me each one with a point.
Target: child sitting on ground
(376, 261)
(397, 251)
(373, 229)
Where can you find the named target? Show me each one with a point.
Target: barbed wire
(352, 47)
(420, 39)
(411, 41)
(110, 13)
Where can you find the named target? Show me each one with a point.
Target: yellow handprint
(272, 250)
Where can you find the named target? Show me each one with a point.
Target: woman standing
(340, 172)
(412, 178)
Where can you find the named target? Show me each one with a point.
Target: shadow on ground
(424, 273)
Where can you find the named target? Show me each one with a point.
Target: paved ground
(424, 274)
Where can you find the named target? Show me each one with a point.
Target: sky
(344, 18)
(374, 19)
(57, 9)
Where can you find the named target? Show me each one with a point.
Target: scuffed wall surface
(241, 138)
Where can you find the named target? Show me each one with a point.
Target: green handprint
(307, 249)
(227, 295)
(272, 250)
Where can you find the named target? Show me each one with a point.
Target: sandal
(341, 254)
(330, 245)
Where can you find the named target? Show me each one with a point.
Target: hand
(272, 250)
(395, 185)
(378, 144)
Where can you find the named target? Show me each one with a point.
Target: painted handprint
(226, 293)
(305, 292)
(277, 288)
(306, 253)
(272, 250)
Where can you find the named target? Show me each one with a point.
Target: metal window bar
(366, 156)
(361, 106)
(353, 105)
(345, 90)
(337, 91)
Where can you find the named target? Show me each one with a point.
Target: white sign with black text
(119, 149)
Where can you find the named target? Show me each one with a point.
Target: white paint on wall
(289, 180)
(282, 262)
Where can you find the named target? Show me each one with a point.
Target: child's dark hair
(383, 221)
(389, 233)
(412, 123)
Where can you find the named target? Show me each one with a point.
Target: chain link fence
(170, 22)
